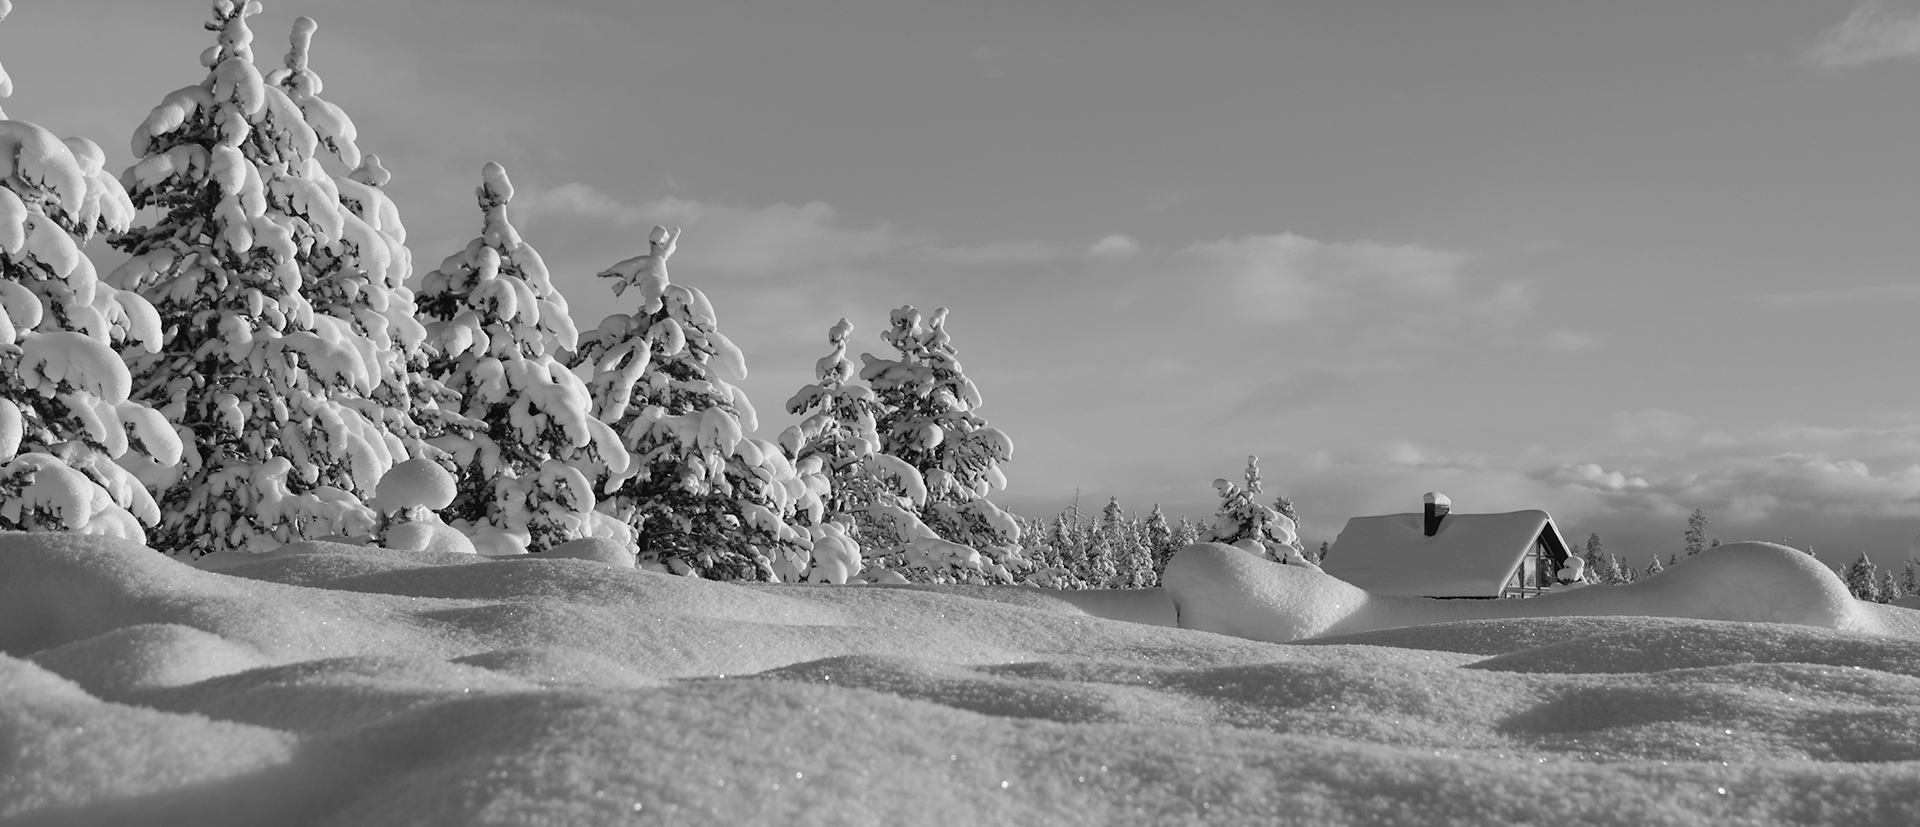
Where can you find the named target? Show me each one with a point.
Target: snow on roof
(1472, 555)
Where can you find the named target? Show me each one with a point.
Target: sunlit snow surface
(357, 686)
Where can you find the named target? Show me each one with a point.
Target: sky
(1616, 261)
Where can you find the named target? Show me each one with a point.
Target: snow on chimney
(1437, 508)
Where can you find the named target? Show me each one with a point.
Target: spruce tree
(872, 492)
(1910, 577)
(928, 418)
(1598, 570)
(360, 277)
(1863, 578)
(1240, 517)
(1655, 567)
(525, 439)
(65, 411)
(1185, 533)
(1159, 538)
(702, 496)
(250, 373)
(1886, 591)
(1696, 535)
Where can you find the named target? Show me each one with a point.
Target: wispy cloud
(1841, 295)
(1844, 490)
(1872, 32)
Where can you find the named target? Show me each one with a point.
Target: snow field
(334, 684)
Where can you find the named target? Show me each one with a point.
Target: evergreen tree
(1655, 567)
(270, 395)
(1910, 577)
(1886, 591)
(1240, 517)
(1185, 533)
(1285, 507)
(927, 418)
(701, 495)
(837, 441)
(1320, 555)
(1159, 539)
(1599, 568)
(361, 279)
(1696, 535)
(1863, 578)
(525, 440)
(65, 411)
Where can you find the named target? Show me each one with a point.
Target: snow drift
(344, 685)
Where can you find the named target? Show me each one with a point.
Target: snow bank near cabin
(347, 686)
(1222, 589)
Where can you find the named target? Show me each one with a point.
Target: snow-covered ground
(355, 686)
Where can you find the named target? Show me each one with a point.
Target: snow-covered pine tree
(876, 494)
(1863, 578)
(1910, 577)
(1696, 536)
(1596, 556)
(1159, 539)
(1136, 564)
(1655, 567)
(65, 411)
(1625, 572)
(249, 373)
(1185, 533)
(703, 497)
(359, 275)
(1887, 590)
(1241, 517)
(927, 418)
(1286, 509)
(526, 442)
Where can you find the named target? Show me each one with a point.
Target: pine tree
(1910, 577)
(1285, 507)
(1655, 567)
(876, 494)
(702, 496)
(928, 419)
(525, 440)
(1320, 555)
(1159, 539)
(1185, 533)
(1240, 517)
(65, 411)
(361, 278)
(1886, 590)
(250, 373)
(1696, 535)
(1863, 578)
(1599, 569)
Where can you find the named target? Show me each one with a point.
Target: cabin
(1438, 553)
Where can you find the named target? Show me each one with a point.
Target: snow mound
(1222, 589)
(597, 549)
(415, 482)
(331, 683)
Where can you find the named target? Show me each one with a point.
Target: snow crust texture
(331, 684)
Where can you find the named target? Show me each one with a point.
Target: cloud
(1571, 341)
(751, 242)
(1872, 32)
(1841, 295)
(1842, 491)
(1264, 399)
(1371, 299)
(1115, 246)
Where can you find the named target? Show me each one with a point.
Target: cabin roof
(1471, 555)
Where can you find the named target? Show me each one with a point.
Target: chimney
(1437, 508)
